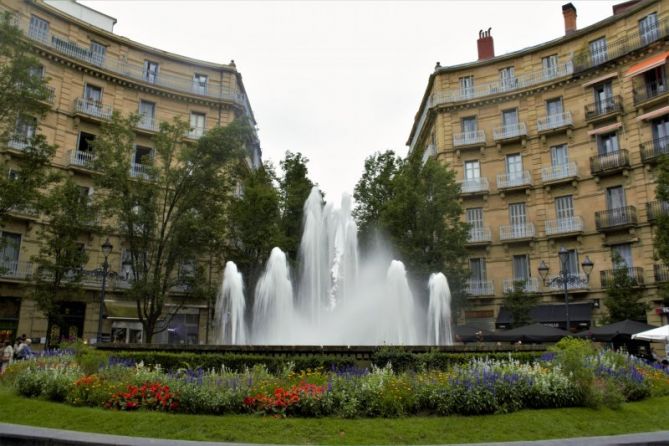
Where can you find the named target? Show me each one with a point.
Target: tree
(254, 224)
(623, 296)
(294, 186)
(373, 191)
(168, 207)
(423, 220)
(62, 255)
(519, 303)
(23, 96)
(662, 230)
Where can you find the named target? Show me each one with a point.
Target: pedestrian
(24, 351)
(7, 356)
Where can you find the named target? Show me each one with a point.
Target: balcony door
(514, 168)
(518, 220)
(660, 128)
(615, 198)
(39, 28)
(467, 87)
(603, 97)
(93, 94)
(559, 156)
(510, 117)
(475, 219)
(649, 29)
(550, 65)
(554, 107)
(607, 143)
(624, 252)
(469, 126)
(10, 245)
(564, 208)
(477, 270)
(521, 267)
(598, 51)
(655, 81)
(472, 171)
(147, 113)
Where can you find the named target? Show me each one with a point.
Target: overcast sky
(339, 80)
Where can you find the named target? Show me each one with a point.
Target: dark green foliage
(623, 296)
(519, 303)
(294, 187)
(662, 231)
(233, 361)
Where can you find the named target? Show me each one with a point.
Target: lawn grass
(645, 416)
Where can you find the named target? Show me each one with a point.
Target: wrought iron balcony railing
(476, 137)
(635, 274)
(529, 285)
(516, 179)
(474, 185)
(652, 151)
(603, 107)
(92, 108)
(616, 218)
(81, 158)
(574, 282)
(555, 121)
(559, 172)
(509, 131)
(480, 288)
(14, 269)
(147, 123)
(515, 232)
(564, 225)
(138, 170)
(479, 235)
(18, 142)
(609, 162)
(661, 273)
(650, 90)
(656, 208)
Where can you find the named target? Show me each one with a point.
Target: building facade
(93, 72)
(555, 146)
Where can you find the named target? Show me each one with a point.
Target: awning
(653, 114)
(600, 79)
(622, 329)
(648, 64)
(605, 129)
(531, 333)
(547, 314)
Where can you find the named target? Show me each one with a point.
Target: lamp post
(564, 278)
(106, 250)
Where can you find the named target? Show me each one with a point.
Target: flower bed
(575, 374)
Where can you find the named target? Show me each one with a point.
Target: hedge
(402, 360)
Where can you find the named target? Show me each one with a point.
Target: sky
(338, 80)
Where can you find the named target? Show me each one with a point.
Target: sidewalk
(18, 435)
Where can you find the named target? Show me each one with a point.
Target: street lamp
(565, 278)
(106, 250)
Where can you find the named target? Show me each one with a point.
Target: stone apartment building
(92, 72)
(555, 146)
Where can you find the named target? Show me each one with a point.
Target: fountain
(230, 308)
(339, 299)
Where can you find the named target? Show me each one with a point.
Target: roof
(578, 312)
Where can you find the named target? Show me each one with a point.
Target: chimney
(485, 45)
(569, 14)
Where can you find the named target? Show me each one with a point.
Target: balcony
(574, 282)
(475, 138)
(79, 158)
(479, 236)
(23, 212)
(147, 123)
(607, 277)
(510, 132)
(655, 209)
(474, 186)
(195, 133)
(93, 109)
(13, 269)
(518, 232)
(555, 122)
(529, 285)
(138, 170)
(559, 173)
(603, 109)
(616, 219)
(514, 180)
(429, 152)
(609, 163)
(661, 273)
(18, 142)
(564, 226)
(480, 288)
(653, 151)
(649, 92)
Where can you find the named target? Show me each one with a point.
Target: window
(26, 127)
(649, 29)
(142, 155)
(554, 107)
(10, 245)
(510, 117)
(572, 263)
(598, 51)
(559, 155)
(615, 198)
(475, 218)
(507, 78)
(150, 71)
(467, 87)
(85, 142)
(98, 52)
(624, 252)
(517, 216)
(200, 83)
(147, 113)
(477, 270)
(39, 29)
(655, 81)
(93, 94)
(472, 170)
(13, 175)
(564, 207)
(197, 121)
(607, 143)
(660, 128)
(469, 126)
(603, 97)
(514, 169)
(36, 71)
(521, 267)
(550, 65)
(127, 272)
(183, 329)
